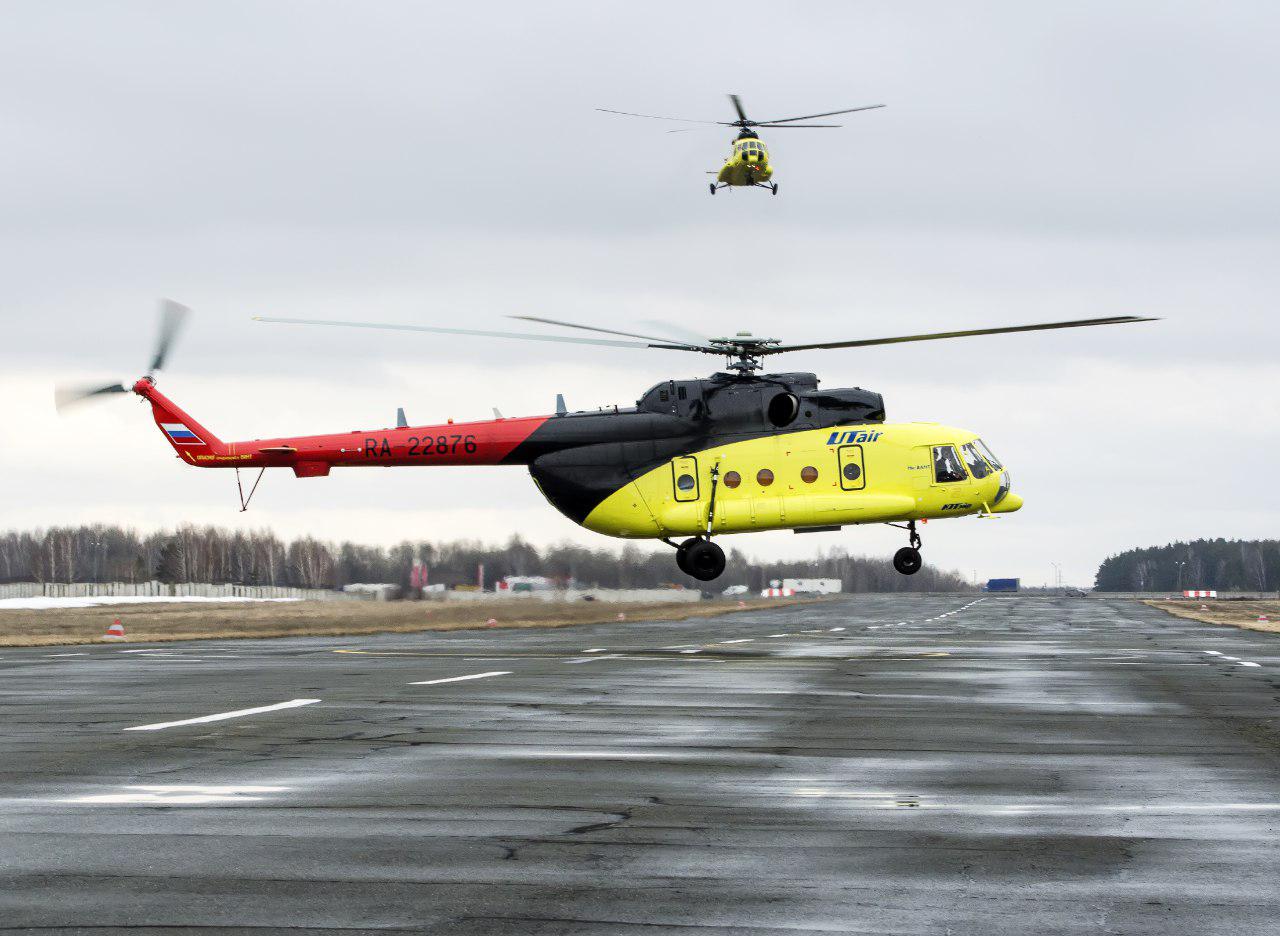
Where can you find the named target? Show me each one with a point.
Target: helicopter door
(852, 475)
(684, 478)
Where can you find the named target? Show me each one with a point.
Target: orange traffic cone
(492, 622)
(115, 631)
(621, 616)
(1263, 619)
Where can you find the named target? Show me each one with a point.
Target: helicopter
(735, 452)
(748, 163)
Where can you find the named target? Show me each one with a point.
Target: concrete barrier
(612, 595)
(163, 590)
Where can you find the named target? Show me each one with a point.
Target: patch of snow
(41, 603)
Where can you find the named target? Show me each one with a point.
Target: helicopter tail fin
(188, 438)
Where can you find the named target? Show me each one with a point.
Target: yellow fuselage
(747, 164)
(810, 479)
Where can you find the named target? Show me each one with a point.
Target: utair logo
(844, 438)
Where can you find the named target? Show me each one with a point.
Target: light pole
(1057, 575)
(1179, 565)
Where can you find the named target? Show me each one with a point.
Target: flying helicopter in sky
(748, 163)
(693, 460)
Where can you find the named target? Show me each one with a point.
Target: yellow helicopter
(748, 164)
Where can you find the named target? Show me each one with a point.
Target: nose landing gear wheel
(713, 188)
(703, 559)
(907, 560)
(775, 188)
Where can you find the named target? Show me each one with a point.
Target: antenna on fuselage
(401, 422)
(561, 409)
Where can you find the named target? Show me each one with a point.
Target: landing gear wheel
(713, 188)
(775, 188)
(704, 560)
(907, 560)
(682, 555)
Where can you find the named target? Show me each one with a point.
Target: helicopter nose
(1006, 501)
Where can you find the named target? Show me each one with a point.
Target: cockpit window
(946, 464)
(988, 454)
(977, 467)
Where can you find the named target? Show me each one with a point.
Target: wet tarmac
(924, 765)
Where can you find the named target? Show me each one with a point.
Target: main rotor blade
(173, 315)
(68, 395)
(851, 110)
(609, 331)
(525, 336)
(864, 342)
(789, 126)
(605, 110)
(737, 105)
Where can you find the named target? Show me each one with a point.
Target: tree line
(100, 553)
(1225, 565)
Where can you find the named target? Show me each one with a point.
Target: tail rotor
(173, 317)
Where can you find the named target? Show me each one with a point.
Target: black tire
(704, 560)
(682, 554)
(713, 188)
(775, 188)
(907, 560)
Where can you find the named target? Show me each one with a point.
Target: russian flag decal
(180, 434)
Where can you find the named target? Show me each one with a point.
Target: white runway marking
(690, 651)
(54, 656)
(835, 630)
(777, 635)
(178, 794)
(436, 682)
(222, 716)
(592, 659)
(742, 640)
(596, 650)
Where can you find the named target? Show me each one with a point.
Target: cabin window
(808, 474)
(664, 396)
(977, 467)
(987, 454)
(764, 477)
(946, 464)
(852, 471)
(681, 393)
(732, 479)
(685, 482)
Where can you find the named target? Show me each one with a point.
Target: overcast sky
(444, 164)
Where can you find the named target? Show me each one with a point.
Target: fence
(162, 590)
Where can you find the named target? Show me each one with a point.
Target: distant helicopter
(735, 452)
(748, 164)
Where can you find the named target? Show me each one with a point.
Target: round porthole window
(685, 482)
(764, 477)
(732, 479)
(808, 474)
(852, 471)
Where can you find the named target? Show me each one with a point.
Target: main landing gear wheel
(703, 559)
(682, 553)
(775, 188)
(713, 188)
(907, 560)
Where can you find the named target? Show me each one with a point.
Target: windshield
(988, 454)
(977, 467)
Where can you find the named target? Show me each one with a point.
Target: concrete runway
(938, 765)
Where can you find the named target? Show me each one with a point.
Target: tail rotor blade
(66, 396)
(173, 315)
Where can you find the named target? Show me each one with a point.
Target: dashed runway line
(223, 716)
(437, 682)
